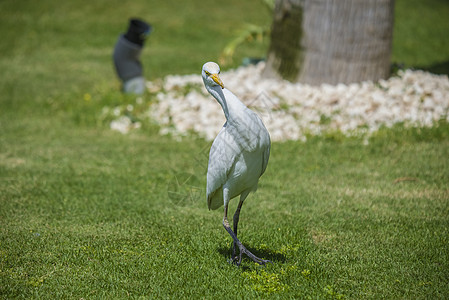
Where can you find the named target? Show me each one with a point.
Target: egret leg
(242, 249)
(235, 222)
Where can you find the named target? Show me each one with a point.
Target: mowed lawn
(86, 212)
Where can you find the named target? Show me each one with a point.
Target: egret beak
(217, 80)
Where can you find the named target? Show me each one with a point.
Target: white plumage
(238, 156)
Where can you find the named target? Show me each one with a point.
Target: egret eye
(207, 73)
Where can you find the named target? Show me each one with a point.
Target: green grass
(89, 213)
(420, 37)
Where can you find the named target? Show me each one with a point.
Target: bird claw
(237, 259)
(234, 261)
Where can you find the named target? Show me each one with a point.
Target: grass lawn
(89, 213)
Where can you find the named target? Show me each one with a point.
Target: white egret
(238, 156)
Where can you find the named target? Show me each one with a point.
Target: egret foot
(237, 259)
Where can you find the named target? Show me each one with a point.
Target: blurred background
(50, 49)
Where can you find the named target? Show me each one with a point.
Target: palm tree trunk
(284, 57)
(330, 41)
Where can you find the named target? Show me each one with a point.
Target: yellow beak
(217, 80)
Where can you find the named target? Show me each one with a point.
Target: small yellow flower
(305, 273)
(87, 97)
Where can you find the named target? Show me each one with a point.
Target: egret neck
(231, 105)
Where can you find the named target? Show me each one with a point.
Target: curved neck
(217, 93)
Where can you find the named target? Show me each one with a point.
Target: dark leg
(235, 222)
(237, 211)
(238, 259)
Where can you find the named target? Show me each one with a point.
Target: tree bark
(284, 57)
(330, 41)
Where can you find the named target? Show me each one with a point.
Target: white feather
(239, 154)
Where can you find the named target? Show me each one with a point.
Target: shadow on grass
(438, 68)
(261, 253)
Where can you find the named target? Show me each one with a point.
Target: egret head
(210, 75)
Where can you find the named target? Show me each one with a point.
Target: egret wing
(266, 156)
(223, 154)
(255, 136)
(266, 142)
